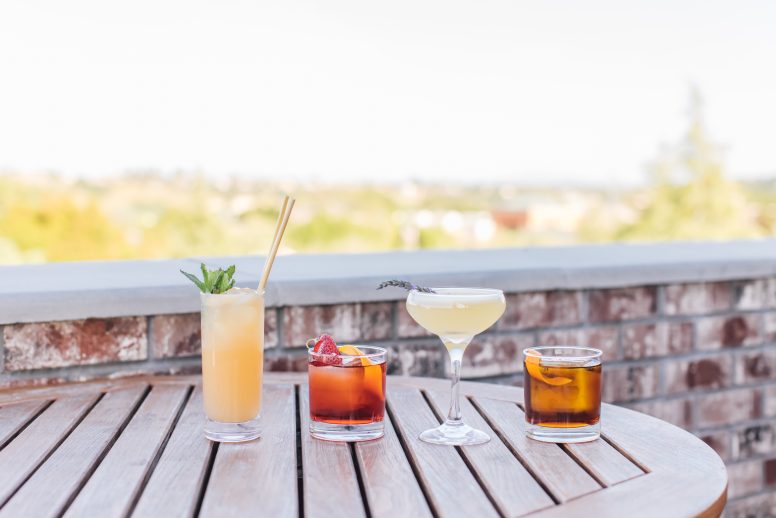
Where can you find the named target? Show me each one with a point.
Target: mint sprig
(213, 281)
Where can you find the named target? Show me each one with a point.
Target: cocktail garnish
(533, 364)
(404, 284)
(327, 348)
(352, 350)
(213, 281)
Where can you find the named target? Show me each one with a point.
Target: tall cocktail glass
(456, 315)
(232, 363)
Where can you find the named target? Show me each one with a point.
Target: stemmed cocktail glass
(456, 315)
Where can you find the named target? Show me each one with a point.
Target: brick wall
(701, 356)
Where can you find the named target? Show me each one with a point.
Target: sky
(561, 92)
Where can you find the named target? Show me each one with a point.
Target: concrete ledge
(63, 291)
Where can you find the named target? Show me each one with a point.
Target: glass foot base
(347, 432)
(458, 434)
(232, 432)
(563, 435)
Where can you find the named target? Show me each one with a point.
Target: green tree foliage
(62, 230)
(690, 197)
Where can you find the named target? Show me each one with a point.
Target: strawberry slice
(327, 348)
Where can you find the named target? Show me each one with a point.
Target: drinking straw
(280, 228)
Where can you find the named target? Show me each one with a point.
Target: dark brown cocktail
(562, 393)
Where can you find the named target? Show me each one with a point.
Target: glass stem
(454, 415)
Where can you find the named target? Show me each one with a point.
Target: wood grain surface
(135, 447)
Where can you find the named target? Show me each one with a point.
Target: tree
(690, 197)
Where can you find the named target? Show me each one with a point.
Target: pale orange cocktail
(232, 363)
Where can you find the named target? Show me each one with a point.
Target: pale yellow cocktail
(456, 315)
(232, 356)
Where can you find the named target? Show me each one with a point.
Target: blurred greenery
(46, 217)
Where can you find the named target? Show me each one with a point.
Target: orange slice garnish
(534, 368)
(352, 350)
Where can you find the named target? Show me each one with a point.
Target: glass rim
(475, 290)
(593, 353)
(246, 291)
(378, 352)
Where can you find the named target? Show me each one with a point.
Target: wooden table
(135, 447)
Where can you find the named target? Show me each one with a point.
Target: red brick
(659, 339)
(541, 309)
(770, 472)
(286, 362)
(755, 294)
(175, 335)
(419, 360)
(756, 366)
(698, 373)
(629, 382)
(769, 408)
(376, 321)
(605, 338)
(406, 327)
(769, 327)
(757, 506)
(300, 323)
(561, 337)
(728, 407)
(732, 331)
(271, 328)
(74, 342)
(492, 355)
(675, 411)
(697, 299)
(719, 442)
(622, 303)
(745, 478)
(754, 440)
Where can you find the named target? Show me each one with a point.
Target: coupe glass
(456, 315)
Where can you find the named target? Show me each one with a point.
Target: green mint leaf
(215, 287)
(193, 278)
(204, 272)
(213, 281)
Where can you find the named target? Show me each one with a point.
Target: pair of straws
(280, 228)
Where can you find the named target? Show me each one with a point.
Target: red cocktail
(347, 391)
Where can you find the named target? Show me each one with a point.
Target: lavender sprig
(406, 285)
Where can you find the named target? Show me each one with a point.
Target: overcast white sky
(543, 91)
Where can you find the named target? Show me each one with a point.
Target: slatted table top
(135, 447)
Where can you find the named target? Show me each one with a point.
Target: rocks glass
(562, 393)
(347, 394)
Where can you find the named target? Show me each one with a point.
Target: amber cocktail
(562, 393)
(347, 393)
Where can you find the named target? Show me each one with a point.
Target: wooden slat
(22, 456)
(683, 473)
(330, 482)
(559, 473)
(607, 465)
(112, 488)
(258, 478)
(511, 486)
(382, 463)
(174, 486)
(13, 417)
(449, 484)
(49, 489)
